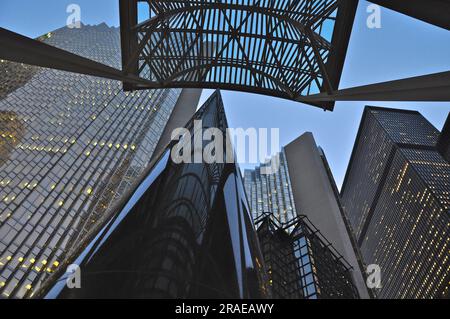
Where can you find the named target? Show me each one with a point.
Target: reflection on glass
(184, 233)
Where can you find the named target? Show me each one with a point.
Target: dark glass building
(184, 231)
(444, 140)
(70, 146)
(301, 263)
(396, 194)
(271, 192)
(304, 186)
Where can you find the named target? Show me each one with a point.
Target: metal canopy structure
(284, 48)
(293, 49)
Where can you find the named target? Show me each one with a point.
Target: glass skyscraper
(304, 186)
(70, 146)
(444, 140)
(271, 192)
(397, 196)
(185, 231)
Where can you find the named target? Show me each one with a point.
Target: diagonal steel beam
(18, 48)
(323, 69)
(429, 88)
(436, 12)
(218, 5)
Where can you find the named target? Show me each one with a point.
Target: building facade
(271, 192)
(396, 194)
(301, 263)
(189, 229)
(70, 146)
(444, 140)
(305, 183)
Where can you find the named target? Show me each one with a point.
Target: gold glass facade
(70, 146)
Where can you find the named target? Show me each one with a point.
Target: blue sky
(403, 47)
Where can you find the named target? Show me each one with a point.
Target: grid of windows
(433, 170)
(190, 231)
(359, 193)
(302, 263)
(407, 127)
(444, 140)
(402, 218)
(408, 236)
(279, 259)
(271, 192)
(12, 131)
(13, 76)
(70, 146)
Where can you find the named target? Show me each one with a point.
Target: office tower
(444, 140)
(14, 75)
(396, 195)
(71, 146)
(313, 194)
(11, 134)
(301, 263)
(270, 192)
(185, 231)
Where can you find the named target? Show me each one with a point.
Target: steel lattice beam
(17, 48)
(431, 88)
(197, 44)
(279, 48)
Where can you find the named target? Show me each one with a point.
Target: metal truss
(18, 48)
(280, 48)
(274, 47)
(285, 247)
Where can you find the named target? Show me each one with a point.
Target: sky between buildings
(402, 47)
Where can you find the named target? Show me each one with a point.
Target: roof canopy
(284, 48)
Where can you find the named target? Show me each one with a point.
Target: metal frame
(18, 48)
(169, 48)
(278, 245)
(212, 44)
(259, 46)
(431, 88)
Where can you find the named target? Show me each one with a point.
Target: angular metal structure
(184, 231)
(301, 262)
(436, 12)
(286, 48)
(292, 49)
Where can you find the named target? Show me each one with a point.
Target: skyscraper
(305, 182)
(184, 231)
(271, 192)
(444, 140)
(70, 146)
(12, 131)
(396, 194)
